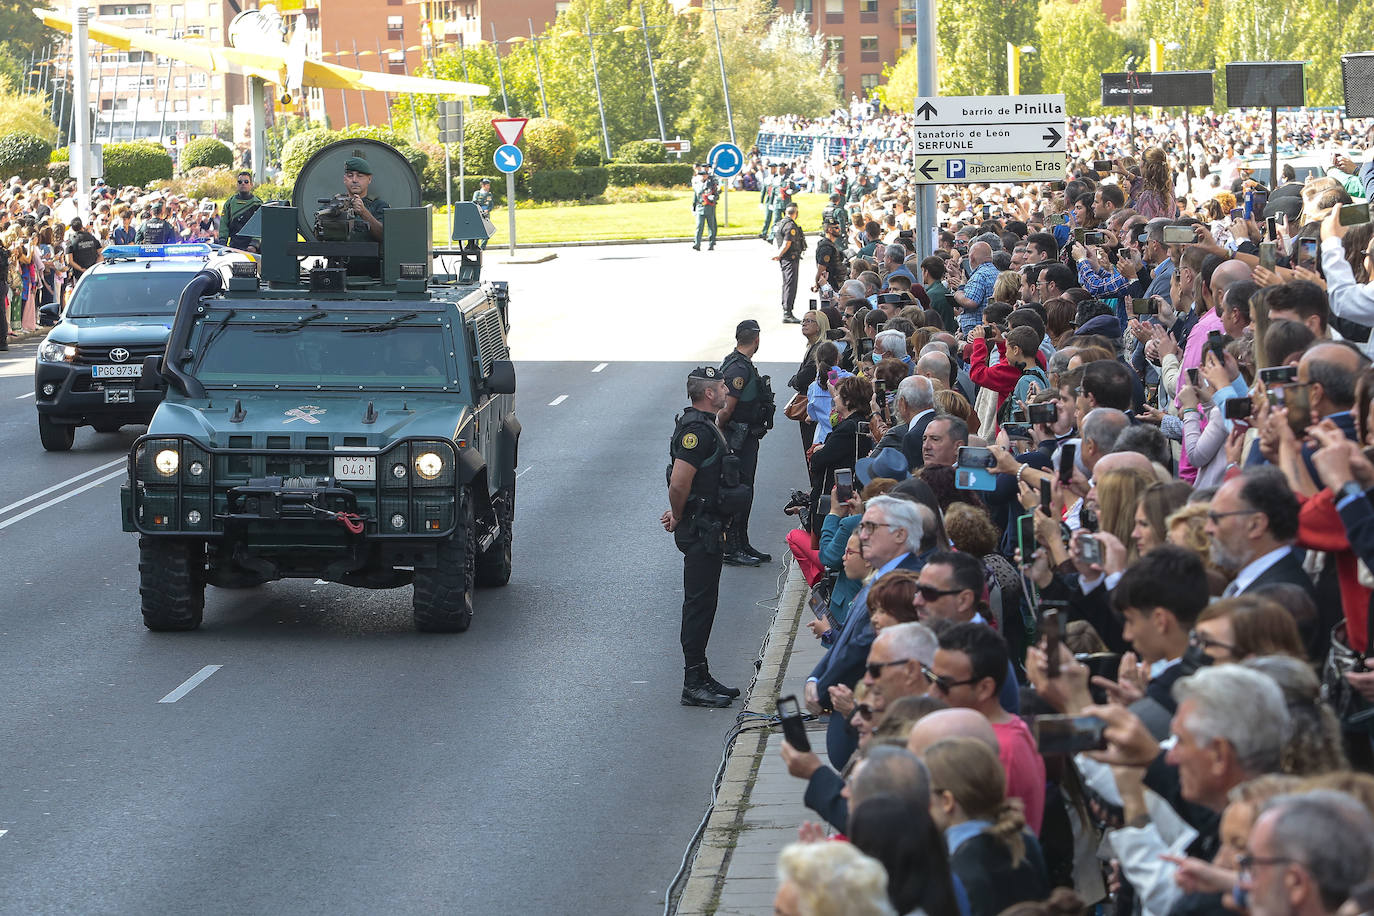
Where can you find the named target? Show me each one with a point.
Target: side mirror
(501, 380)
(50, 314)
(151, 379)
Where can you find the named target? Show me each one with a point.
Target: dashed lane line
(27, 394)
(191, 683)
(558, 400)
(597, 369)
(57, 486)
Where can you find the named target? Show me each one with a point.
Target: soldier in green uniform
(705, 194)
(767, 189)
(698, 494)
(482, 197)
(746, 418)
(238, 209)
(368, 214)
(834, 212)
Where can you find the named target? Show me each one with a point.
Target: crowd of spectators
(40, 225)
(1089, 535)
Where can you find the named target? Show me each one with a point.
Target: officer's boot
(742, 526)
(698, 691)
(717, 686)
(734, 549)
(789, 318)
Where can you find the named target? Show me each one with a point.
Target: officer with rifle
(746, 418)
(704, 488)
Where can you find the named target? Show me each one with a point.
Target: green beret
(357, 164)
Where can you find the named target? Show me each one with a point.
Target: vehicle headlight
(429, 465)
(167, 461)
(50, 351)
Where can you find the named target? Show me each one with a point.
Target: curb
(589, 243)
(701, 892)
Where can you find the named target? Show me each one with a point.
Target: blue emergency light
(178, 250)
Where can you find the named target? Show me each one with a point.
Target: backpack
(1032, 381)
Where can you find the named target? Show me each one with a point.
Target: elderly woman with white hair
(830, 879)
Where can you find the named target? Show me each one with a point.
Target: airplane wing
(266, 66)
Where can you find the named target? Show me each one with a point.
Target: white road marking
(57, 486)
(191, 683)
(27, 394)
(3, 832)
(63, 498)
(558, 400)
(522, 473)
(597, 369)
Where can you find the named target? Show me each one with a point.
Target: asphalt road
(337, 762)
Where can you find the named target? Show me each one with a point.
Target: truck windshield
(295, 354)
(129, 292)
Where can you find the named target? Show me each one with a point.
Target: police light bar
(180, 250)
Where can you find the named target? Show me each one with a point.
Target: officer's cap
(486, 181)
(357, 164)
(747, 324)
(706, 372)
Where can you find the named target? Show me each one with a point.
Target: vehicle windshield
(295, 354)
(129, 292)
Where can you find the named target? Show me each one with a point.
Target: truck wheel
(494, 565)
(443, 594)
(171, 575)
(56, 437)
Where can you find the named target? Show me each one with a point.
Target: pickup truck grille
(93, 356)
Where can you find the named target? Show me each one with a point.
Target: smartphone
(980, 479)
(1144, 306)
(1046, 495)
(1102, 165)
(835, 334)
(1067, 451)
(1278, 375)
(1049, 629)
(880, 395)
(1058, 185)
(865, 429)
(973, 456)
(1025, 537)
(1271, 228)
(1238, 213)
(1055, 219)
(820, 608)
(1216, 344)
(1268, 255)
(1307, 250)
(1179, 235)
(1043, 413)
(1354, 214)
(1078, 233)
(1297, 398)
(865, 347)
(1238, 409)
(1093, 237)
(1192, 377)
(1069, 734)
(793, 726)
(1089, 549)
(1248, 208)
(1016, 430)
(987, 211)
(844, 484)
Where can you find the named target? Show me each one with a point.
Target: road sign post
(725, 161)
(981, 139)
(450, 129)
(509, 159)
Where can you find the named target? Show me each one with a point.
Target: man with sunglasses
(898, 664)
(889, 536)
(237, 210)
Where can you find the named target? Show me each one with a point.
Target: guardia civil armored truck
(336, 411)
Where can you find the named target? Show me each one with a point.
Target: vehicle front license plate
(119, 395)
(355, 467)
(133, 370)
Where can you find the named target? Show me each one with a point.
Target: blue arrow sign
(509, 158)
(725, 160)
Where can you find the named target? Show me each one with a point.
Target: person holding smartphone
(1349, 300)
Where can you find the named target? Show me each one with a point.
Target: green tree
(901, 81)
(1324, 32)
(973, 58)
(25, 113)
(1075, 44)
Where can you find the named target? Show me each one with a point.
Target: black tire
(494, 565)
(443, 594)
(171, 576)
(56, 437)
(110, 427)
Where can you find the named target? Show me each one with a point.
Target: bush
(417, 157)
(59, 171)
(480, 141)
(205, 152)
(25, 113)
(587, 155)
(557, 184)
(641, 151)
(667, 175)
(301, 147)
(274, 190)
(136, 164)
(594, 180)
(549, 144)
(25, 155)
(216, 184)
(61, 154)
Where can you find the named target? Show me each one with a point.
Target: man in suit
(1252, 525)
(889, 537)
(915, 407)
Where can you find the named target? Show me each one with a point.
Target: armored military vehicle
(320, 424)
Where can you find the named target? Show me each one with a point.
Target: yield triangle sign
(509, 129)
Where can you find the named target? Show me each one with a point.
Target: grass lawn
(654, 219)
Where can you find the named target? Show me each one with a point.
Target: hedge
(623, 174)
(205, 152)
(24, 154)
(641, 151)
(136, 164)
(301, 147)
(59, 171)
(588, 155)
(549, 144)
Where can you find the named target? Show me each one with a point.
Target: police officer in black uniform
(831, 267)
(746, 418)
(792, 242)
(155, 230)
(703, 485)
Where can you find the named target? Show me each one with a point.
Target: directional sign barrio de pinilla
(965, 139)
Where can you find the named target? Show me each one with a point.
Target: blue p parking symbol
(954, 168)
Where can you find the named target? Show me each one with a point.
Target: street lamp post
(1014, 53)
(649, 53)
(596, 80)
(538, 70)
(724, 83)
(500, 72)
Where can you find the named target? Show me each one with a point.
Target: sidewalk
(759, 806)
